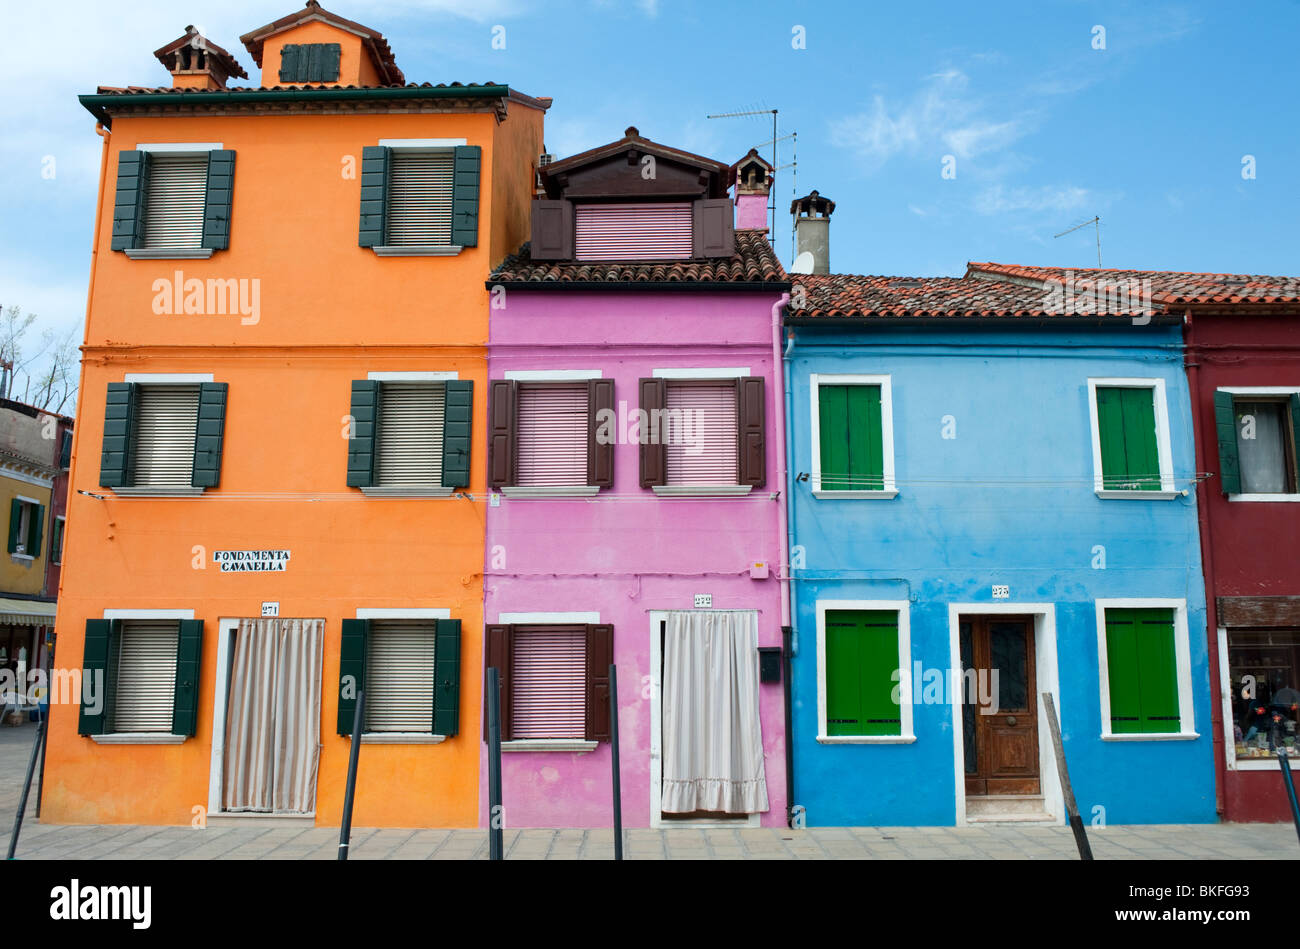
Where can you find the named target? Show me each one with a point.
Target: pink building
(636, 452)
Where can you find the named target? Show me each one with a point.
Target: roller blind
(399, 675)
(409, 451)
(552, 434)
(548, 682)
(633, 231)
(420, 198)
(700, 434)
(166, 420)
(177, 187)
(146, 676)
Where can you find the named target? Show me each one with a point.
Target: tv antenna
(771, 204)
(1096, 222)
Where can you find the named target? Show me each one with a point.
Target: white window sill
(1263, 764)
(168, 253)
(702, 490)
(1153, 736)
(883, 495)
(549, 744)
(139, 738)
(1113, 494)
(401, 738)
(431, 492)
(1264, 497)
(21, 557)
(418, 250)
(865, 739)
(551, 491)
(157, 492)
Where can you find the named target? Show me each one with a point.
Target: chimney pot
(812, 233)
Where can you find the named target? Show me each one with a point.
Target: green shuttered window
(164, 436)
(851, 437)
(1142, 671)
(416, 200)
(407, 672)
(1130, 455)
(862, 680)
(1258, 437)
(141, 677)
(310, 62)
(26, 527)
(410, 437)
(173, 203)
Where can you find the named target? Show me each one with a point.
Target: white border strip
(552, 375)
(576, 617)
(435, 376)
(402, 612)
(422, 142)
(148, 614)
(735, 372)
(179, 147)
(168, 377)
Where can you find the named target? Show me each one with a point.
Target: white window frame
(702, 491)
(378, 491)
(142, 738)
(25, 515)
(382, 613)
(418, 250)
(163, 378)
(175, 150)
(1265, 391)
(63, 539)
(906, 734)
(556, 490)
(1164, 450)
(1182, 661)
(570, 745)
(1226, 695)
(815, 381)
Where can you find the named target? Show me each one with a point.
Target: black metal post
(27, 786)
(787, 637)
(345, 831)
(496, 816)
(1279, 748)
(49, 704)
(613, 746)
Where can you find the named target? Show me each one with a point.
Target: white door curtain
(712, 738)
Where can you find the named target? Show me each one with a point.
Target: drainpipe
(1203, 517)
(780, 428)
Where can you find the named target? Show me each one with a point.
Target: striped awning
(26, 613)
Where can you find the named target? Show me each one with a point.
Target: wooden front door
(999, 713)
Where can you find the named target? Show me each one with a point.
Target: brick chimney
(198, 63)
(752, 177)
(812, 233)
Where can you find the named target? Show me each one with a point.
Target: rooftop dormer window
(649, 231)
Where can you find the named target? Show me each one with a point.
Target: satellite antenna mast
(1096, 222)
(771, 206)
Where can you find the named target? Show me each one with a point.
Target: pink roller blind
(633, 231)
(549, 675)
(553, 434)
(700, 447)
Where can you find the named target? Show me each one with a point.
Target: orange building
(274, 468)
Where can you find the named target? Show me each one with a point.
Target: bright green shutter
(209, 435)
(1158, 670)
(185, 701)
(95, 668)
(365, 433)
(1122, 672)
(861, 666)
(844, 712)
(457, 432)
(352, 670)
(373, 230)
(15, 524)
(833, 436)
(119, 425)
(217, 200)
(1225, 428)
(36, 530)
(446, 672)
(851, 437)
(464, 197)
(129, 200)
(882, 714)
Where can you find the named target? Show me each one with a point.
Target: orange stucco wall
(330, 312)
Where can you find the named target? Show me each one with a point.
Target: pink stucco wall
(628, 552)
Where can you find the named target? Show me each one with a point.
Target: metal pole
(787, 634)
(345, 831)
(49, 704)
(613, 741)
(496, 817)
(27, 786)
(1280, 749)
(1076, 822)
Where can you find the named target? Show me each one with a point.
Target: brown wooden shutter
(654, 468)
(552, 230)
(751, 430)
(600, 653)
(502, 432)
(714, 232)
(496, 655)
(600, 457)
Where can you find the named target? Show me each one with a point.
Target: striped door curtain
(552, 435)
(548, 682)
(409, 443)
(163, 452)
(659, 231)
(700, 437)
(146, 676)
(420, 198)
(177, 187)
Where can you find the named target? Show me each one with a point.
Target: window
(410, 434)
(145, 677)
(1146, 678)
(1264, 672)
(554, 682)
(56, 541)
(552, 433)
(65, 450)
(419, 197)
(1259, 438)
(173, 200)
(1130, 438)
(406, 665)
(26, 522)
(309, 62)
(864, 675)
(702, 437)
(163, 435)
(853, 436)
(643, 231)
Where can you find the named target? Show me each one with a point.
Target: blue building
(992, 498)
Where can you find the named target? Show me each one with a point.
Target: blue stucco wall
(1019, 401)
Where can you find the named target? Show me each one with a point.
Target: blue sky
(1044, 130)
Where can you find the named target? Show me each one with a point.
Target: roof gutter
(659, 286)
(886, 319)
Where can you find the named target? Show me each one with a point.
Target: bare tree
(40, 372)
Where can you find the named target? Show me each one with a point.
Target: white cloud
(998, 199)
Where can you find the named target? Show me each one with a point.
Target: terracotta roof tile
(1167, 286)
(853, 295)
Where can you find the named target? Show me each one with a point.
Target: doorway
(999, 706)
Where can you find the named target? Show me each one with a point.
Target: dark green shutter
(129, 201)
(1295, 442)
(185, 702)
(209, 435)
(352, 662)
(365, 433)
(56, 541)
(330, 62)
(375, 161)
(464, 198)
(119, 426)
(65, 450)
(95, 664)
(217, 200)
(289, 68)
(861, 662)
(1126, 422)
(36, 530)
(15, 524)
(457, 433)
(1225, 428)
(851, 438)
(446, 672)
